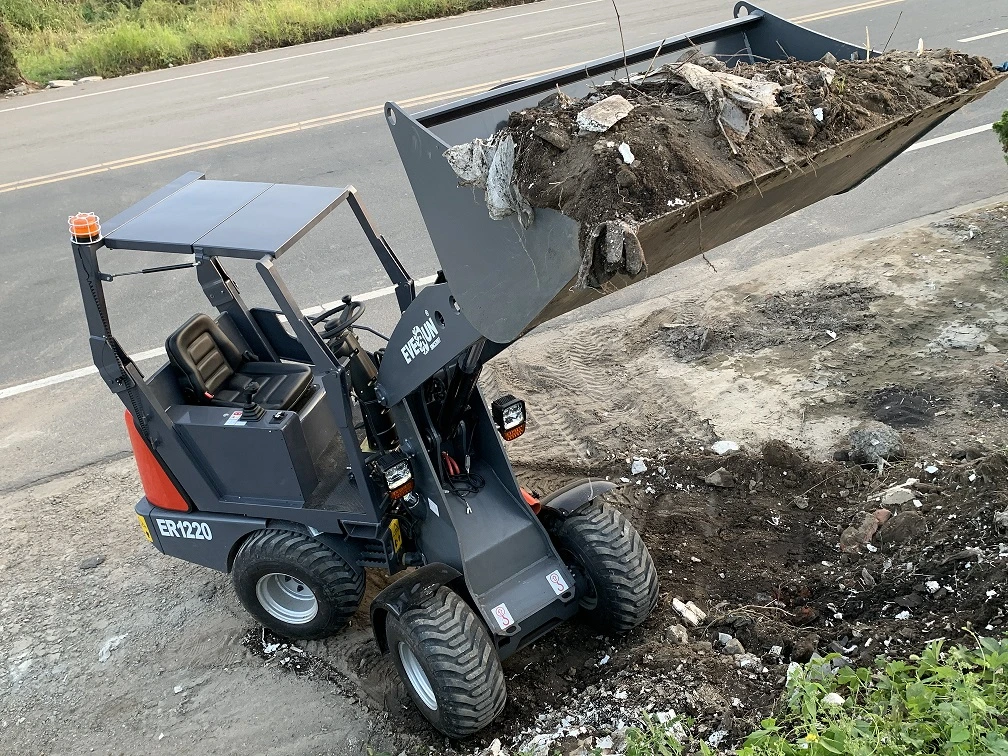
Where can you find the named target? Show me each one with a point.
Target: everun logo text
(425, 338)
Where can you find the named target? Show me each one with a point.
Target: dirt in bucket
(633, 151)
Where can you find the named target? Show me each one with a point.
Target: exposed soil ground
(910, 327)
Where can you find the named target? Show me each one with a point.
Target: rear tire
(447, 662)
(616, 579)
(294, 585)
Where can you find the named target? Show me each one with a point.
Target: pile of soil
(682, 151)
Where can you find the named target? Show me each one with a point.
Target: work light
(509, 415)
(398, 473)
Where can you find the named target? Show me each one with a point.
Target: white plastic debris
(920, 47)
(105, 652)
(603, 115)
(739, 103)
(904, 615)
(933, 586)
(689, 611)
(818, 113)
(931, 469)
(604, 660)
(626, 154)
(716, 737)
(833, 699)
(724, 447)
(489, 164)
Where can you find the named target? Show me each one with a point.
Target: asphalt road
(311, 114)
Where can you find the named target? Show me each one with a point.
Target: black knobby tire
(616, 579)
(306, 563)
(458, 660)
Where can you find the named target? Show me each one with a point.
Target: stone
(88, 79)
(554, 134)
(724, 447)
(874, 442)
(92, 561)
(720, 478)
(734, 647)
(638, 466)
(60, 83)
(1001, 519)
(904, 527)
(858, 533)
(603, 115)
(678, 635)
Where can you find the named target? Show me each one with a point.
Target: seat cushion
(281, 385)
(216, 370)
(206, 357)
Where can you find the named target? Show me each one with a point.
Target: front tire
(294, 585)
(447, 662)
(616, 579)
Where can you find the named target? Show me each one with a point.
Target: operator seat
(215, 370)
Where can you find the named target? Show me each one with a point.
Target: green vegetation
(10, 77)
(1001, 129)
(946, 701)
(73, 38)
(951, 702)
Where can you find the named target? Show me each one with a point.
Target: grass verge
(950, 701)
(1001, 129)
(68, 39)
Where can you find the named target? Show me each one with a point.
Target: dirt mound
(691, 130)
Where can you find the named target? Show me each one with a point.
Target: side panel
(206, 539)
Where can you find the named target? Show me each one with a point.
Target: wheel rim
(587, 594)
(417, 676)
(286, 598)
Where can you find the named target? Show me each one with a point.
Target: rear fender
(405, 591)
(566, 501)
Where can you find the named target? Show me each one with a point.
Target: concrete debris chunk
(897, 495)
(874, 442)
(605, 114)
(689, 611)
(638, 466)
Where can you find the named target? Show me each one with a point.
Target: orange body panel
(157, 486)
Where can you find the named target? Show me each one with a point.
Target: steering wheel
(346, 314)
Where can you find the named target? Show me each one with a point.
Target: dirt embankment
(910, 329)
(10, 76)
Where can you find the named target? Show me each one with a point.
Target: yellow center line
(843, 10)
(251, 136)
(328, 120)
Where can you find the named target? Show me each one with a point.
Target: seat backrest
(204, 355)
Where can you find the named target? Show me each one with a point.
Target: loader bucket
(507, 279)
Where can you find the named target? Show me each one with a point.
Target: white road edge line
(71, 375)
(949, 137)
(564, 31)
(300, 55)
(269, 89)
(984, 36)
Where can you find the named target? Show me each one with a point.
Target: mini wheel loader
(274, 446)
